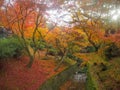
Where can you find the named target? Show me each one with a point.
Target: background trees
(1, 3)
(95, 18)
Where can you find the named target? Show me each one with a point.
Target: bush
(112, 51)
(10, 47)
(40, 44)
(74, 49)
(52, 51)
(90, 49)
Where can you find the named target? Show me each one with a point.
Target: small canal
(72, 78)
(76, 82)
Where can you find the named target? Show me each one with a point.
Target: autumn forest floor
(16, 76)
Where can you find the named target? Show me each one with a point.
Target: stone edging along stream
(56, 81)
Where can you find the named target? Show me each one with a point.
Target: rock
(4, 32)
(80, 77)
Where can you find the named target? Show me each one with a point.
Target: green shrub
(90, 49)
(112, 51)
(74, 49)
(52, 51)
(39, 44)
(91, 82)
(10, 47)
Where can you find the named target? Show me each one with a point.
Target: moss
(103, 75)
(90, 84)
(93, 72)
(56, 81)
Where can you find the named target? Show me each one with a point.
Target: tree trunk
(46, 54)
(62, 59)
(29, 65)
(93, 44)
(90, 41)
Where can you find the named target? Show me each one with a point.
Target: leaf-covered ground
(72, 85)
(15, 76)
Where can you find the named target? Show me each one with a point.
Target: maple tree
(27, 16)
(42, 30)
(1, 4)
(64, 41)
(93, 17)
(18, 15)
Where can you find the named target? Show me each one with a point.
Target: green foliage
(52, 51)
(83, 69)
(10, 47)
(111, 77)
(103, 75)
(90, 49)
(91, 82)
(71, 56)
(39, 44)
(68, 61)
(112, 51)
(74, 49)
(42, 45)
(90, 85)
(95, 65)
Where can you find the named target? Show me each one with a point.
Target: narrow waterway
(76, 82)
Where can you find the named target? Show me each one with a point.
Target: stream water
(76, 82)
